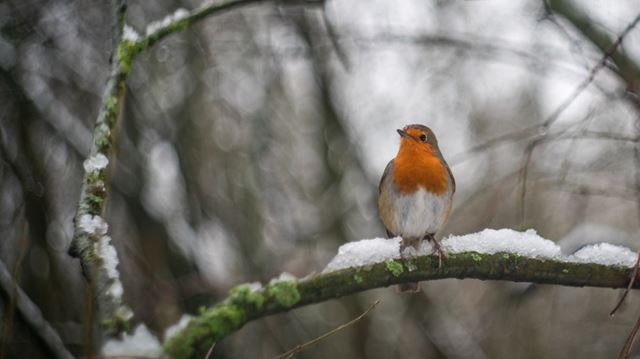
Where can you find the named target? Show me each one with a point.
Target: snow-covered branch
(181, 19)
(90, 241)
(488, 255)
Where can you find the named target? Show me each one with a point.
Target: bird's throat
(415, 166)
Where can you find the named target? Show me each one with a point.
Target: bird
(415, 194)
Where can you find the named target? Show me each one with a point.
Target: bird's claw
(437, 250)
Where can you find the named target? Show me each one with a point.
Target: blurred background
(253, 142)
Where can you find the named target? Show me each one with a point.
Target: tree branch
(245, 304)
(90, 242)
(627, 69)
(182, 21)
(298, 348)
(31, 314)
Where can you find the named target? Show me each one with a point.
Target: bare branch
(629, 72)
(634, 276)
(624, 353)
(32, 315)
(627, 69)
(301, 347)
(588, 190)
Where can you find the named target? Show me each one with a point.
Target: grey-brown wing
(385, 174)
(446, 165)
(387, 171)
(453, 180)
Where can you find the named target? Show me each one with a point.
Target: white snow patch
(129, 33)
(283, 277)
(488, 241)
(93, 225)
(592, 233)
(491, 241)
(109, 256)
(254, 286)
(110, 262)
(365, 252)
(174, 329)
(157, 25)
(98, 227)
(140, 343)
(605, 253)
(95, 162)
(116, 289)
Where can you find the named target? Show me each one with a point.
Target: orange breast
(417, 166)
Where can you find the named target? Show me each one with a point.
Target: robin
(416, 192)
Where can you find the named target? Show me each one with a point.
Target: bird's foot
(437, 250)
(402, 247)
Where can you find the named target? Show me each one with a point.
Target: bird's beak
(403, 134)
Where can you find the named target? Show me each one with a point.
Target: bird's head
(418, 136)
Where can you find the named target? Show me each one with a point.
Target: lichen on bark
(244, 304)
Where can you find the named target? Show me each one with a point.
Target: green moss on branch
(113, 314)
(244, 305)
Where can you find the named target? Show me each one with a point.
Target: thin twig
(301, 347)
(524, 171)
(31, 314)
(585, 189)
(634, 276)
(210, 350)
(9, 309)
(553, 117)
(541, 129)
(524, 176)
(508, 137)
(592, 74)
(624, 353)
(565, 167)
(332, 35)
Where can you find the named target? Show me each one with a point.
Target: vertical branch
(524, 176)
(90, 242)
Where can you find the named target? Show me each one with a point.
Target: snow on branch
(90, 242)
(488, 241)
(179, 20)
(488, 255)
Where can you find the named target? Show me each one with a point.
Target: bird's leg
(407, 287)
(408, 242)
(403, 246)
(437, 249)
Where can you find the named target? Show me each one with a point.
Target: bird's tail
(408, 287)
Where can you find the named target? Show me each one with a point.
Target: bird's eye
(423, 137)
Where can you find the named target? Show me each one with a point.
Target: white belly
(420, 213)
